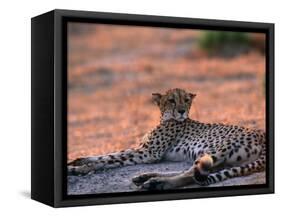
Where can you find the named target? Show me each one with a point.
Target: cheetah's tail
(255, 166)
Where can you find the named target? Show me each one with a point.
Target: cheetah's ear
(156, 97)
(192, 95)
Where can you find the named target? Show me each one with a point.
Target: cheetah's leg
(142, 178)
(165, 181)
(149, 151)
(82, 166)
(201, 166)
(255, 166)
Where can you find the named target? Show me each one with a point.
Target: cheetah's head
(174, 104)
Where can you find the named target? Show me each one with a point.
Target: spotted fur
(217, 151)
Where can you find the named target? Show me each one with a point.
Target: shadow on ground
(119, 179)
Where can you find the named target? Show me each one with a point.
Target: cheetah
(217, 151)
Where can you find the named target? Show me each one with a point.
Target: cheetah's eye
(172, 101)
(186, 100)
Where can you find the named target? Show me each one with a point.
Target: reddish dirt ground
(114, 70)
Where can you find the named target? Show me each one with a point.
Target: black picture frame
(49, 107)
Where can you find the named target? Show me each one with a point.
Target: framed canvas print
(130, 108)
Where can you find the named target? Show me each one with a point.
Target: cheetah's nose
(181, 111)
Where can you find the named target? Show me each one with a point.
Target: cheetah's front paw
(78, 170)
(80, 162)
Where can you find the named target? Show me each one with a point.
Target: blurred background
(113, 70)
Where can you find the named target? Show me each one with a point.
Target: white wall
(15, 106)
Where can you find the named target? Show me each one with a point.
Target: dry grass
(113, 71)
